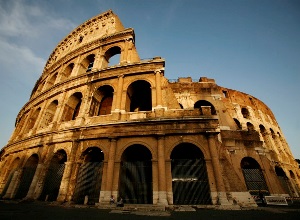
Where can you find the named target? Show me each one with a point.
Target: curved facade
(100, 121)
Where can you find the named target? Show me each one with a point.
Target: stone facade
(93, 129)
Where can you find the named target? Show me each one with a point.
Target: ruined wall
(85, 111)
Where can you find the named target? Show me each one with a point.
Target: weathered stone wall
(81, 102)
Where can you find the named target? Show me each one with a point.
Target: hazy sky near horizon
(248, 45)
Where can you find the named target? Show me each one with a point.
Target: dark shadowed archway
(89, 178)
(253, 175)
(189, 176)
(27, 176)
(54, 176)
(136, 175)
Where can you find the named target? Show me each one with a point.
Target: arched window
(106, 93)
(51, 81)
(139, 96)
(72, 107)
(49, 114)
(112, 57)
(238, 124)
(67, 71)
(87, 63)
(250, 126)
(202, 103)
(245, 113)
(32, 120)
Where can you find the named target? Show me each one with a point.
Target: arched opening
(54, 176)
(253, 175)
(31, 122)
(202, 103)
(89, 177)
(27, 175)
(88, 63)
(136, 175)
(106, 93)
(51, 81)
(238, 124)
(245, 113)
(139, 96)
(102, 101)
(112, 56)
(49, 114)
(13, 167)
(41, 87)
(72, 107)
(67, 71)
(284, 180)
(250, 126)
(189, 176)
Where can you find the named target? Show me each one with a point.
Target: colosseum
(102, 122)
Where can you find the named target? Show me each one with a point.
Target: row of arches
(190, 182)
(138, 98)
(278, 145)
(111, 57)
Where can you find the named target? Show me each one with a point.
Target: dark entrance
(54, 176)
(254, 177)
(284, 180)
(189, 176)
(89, 177)
(27, 176)
(136, 175)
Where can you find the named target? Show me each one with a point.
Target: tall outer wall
(82, 102)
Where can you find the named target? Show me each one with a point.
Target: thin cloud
(19, 18)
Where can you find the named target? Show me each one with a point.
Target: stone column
(158, 88)
(69, 166)
(72, 180)
(119, 93)
(116, 177)
(169, 182)
(222, 198)
(162, 196)
(110, 170)
(38, 172)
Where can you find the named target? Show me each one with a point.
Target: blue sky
(249, 45)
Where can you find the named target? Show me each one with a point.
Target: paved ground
(42, 210)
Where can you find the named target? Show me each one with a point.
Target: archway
(136, 175)
(106, 93)
(253, 175)
(72, 107)
(89, 176)
(54, 176)
(27, 176)
(284, 180)
(13, 167)
(201, 103)
(139, 96)
(189, 176)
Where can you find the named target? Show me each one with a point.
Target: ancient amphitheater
(94, 128)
